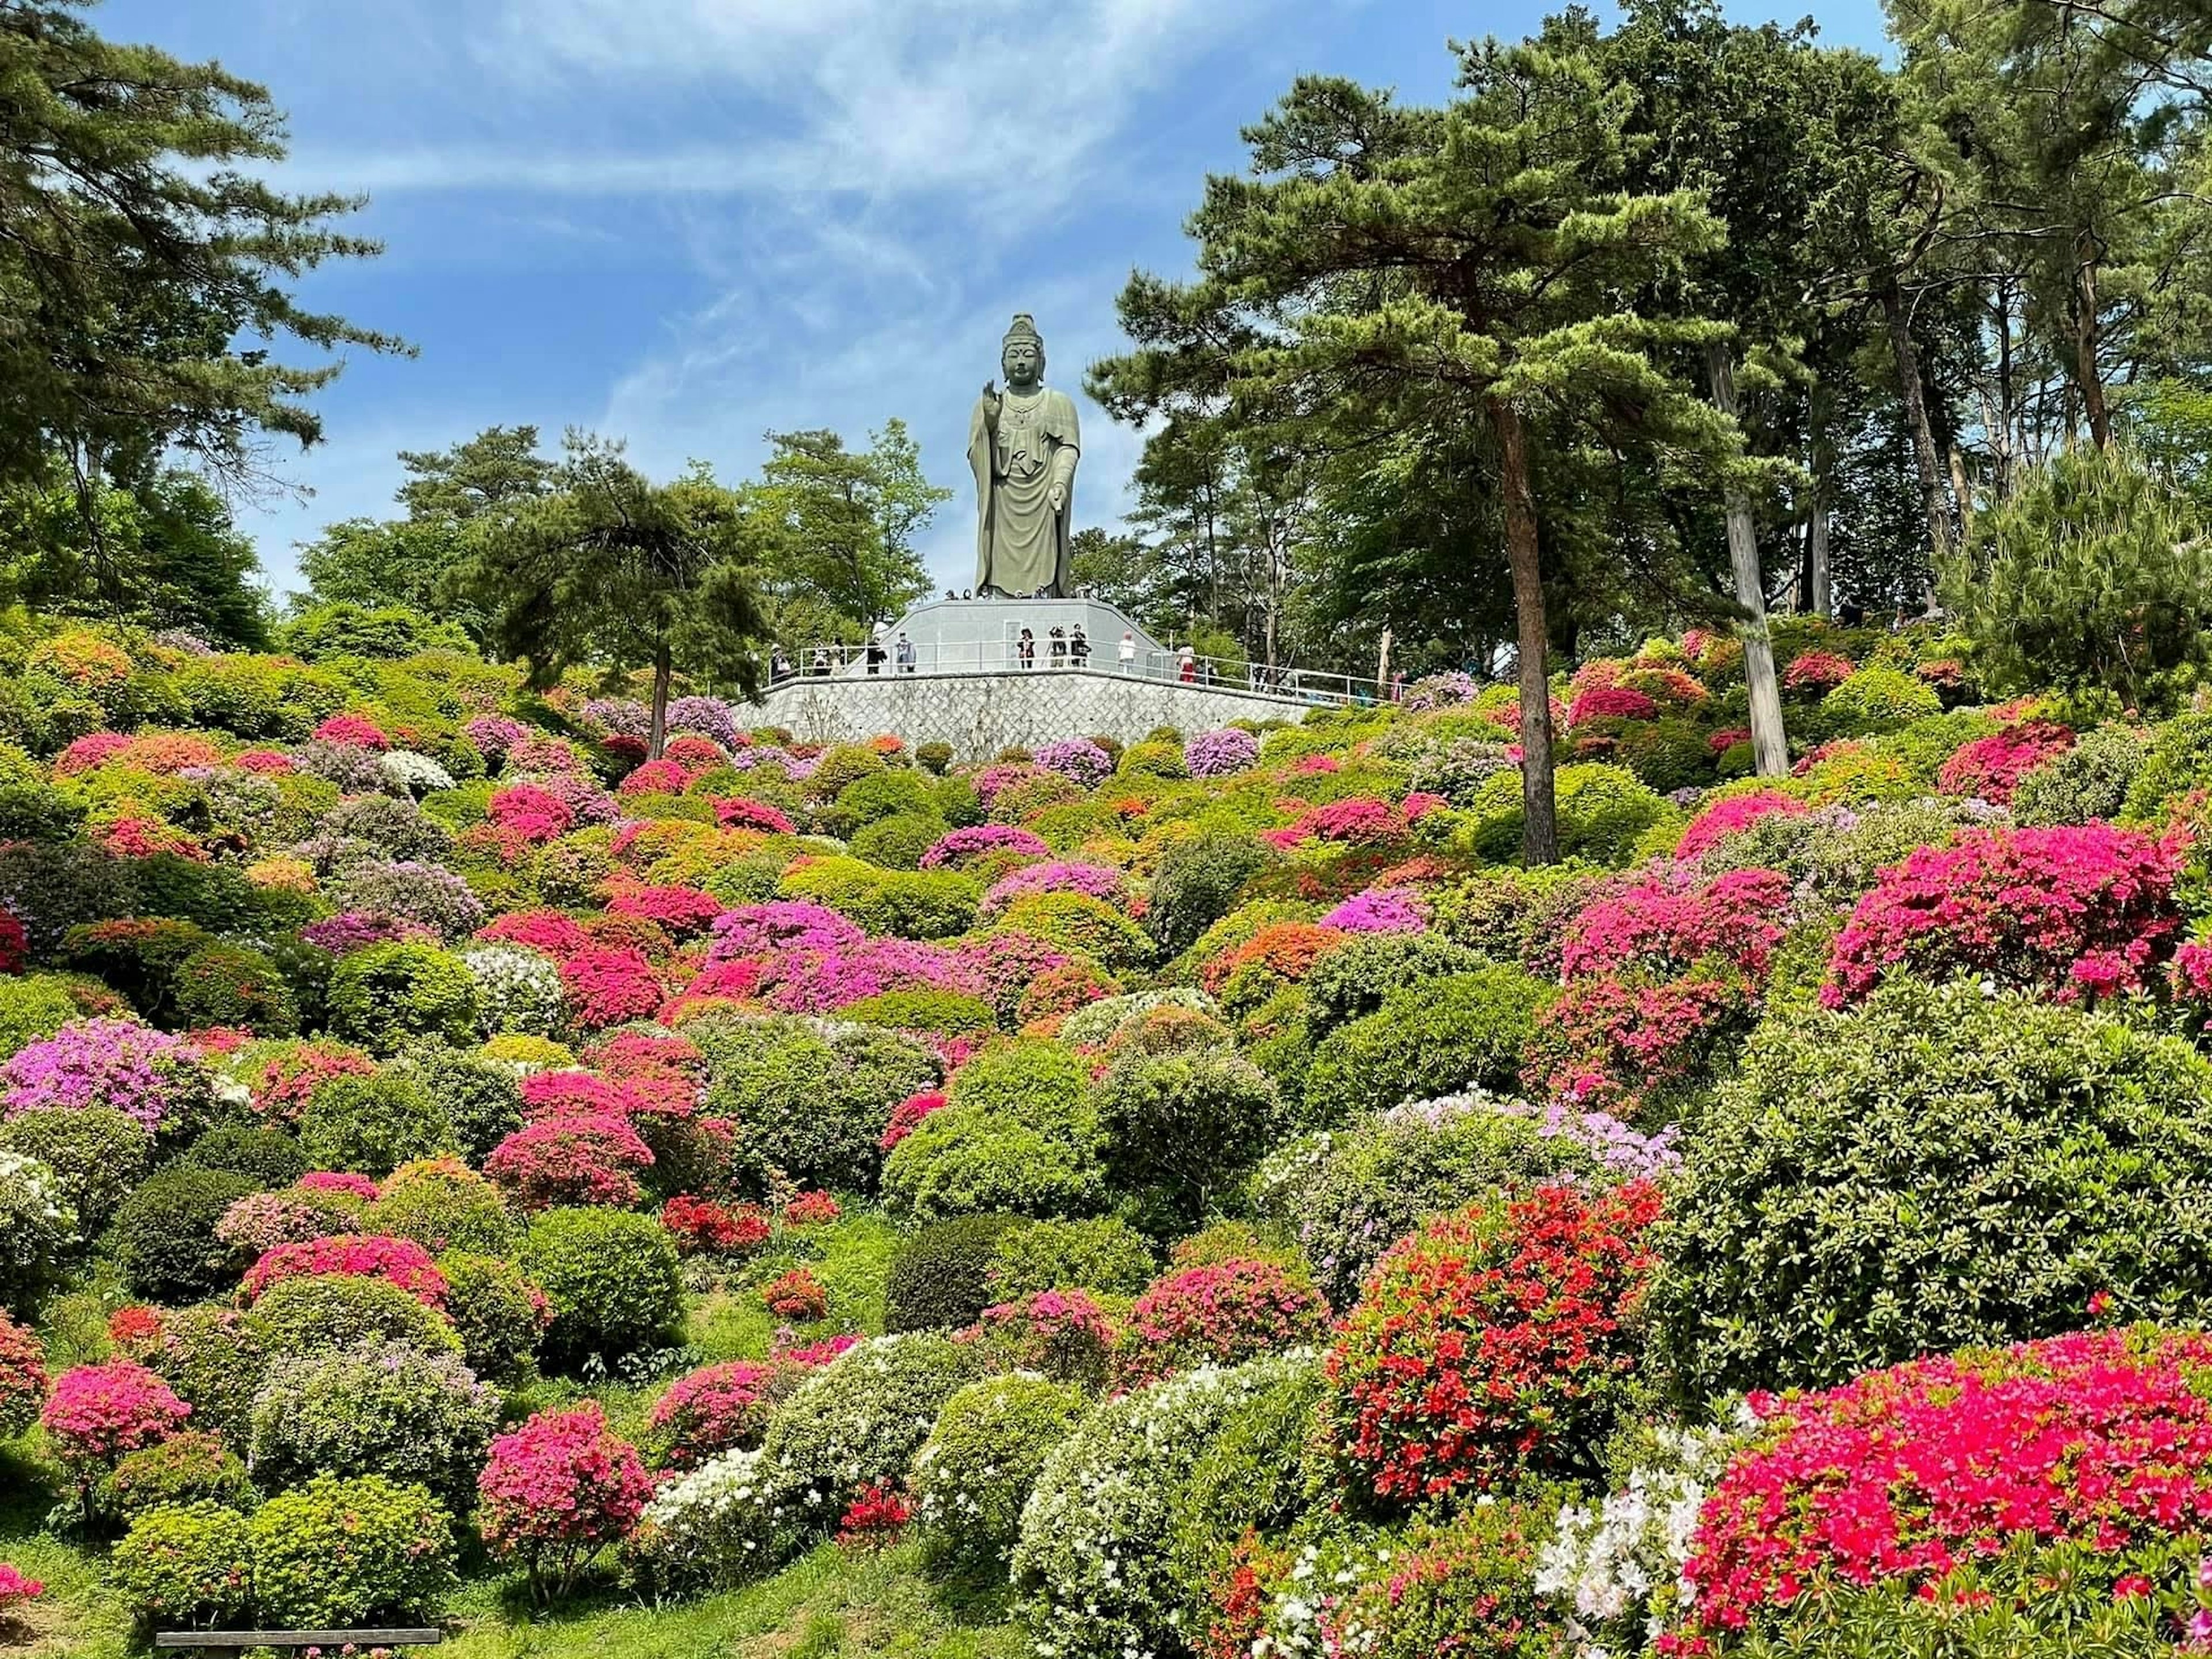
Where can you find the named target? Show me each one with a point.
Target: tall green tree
(1435, 271)
(851, 522)
(146, 261)
(613, 571)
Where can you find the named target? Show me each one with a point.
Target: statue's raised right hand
(990, 402)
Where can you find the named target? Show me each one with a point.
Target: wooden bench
(215, 1640)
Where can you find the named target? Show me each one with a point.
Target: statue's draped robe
(1021, 543)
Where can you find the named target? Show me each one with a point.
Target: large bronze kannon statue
(1023, 447)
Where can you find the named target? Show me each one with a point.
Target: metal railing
(1299, 685)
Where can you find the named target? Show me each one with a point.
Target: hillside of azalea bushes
(1194, 1201)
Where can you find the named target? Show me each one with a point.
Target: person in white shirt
(1127, 650)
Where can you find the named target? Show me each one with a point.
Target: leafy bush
(309, 1312)
(442, 1204)
(1347, 1195)
(1184, 1126)
(858, 1422)
(1108, 1256)
(1876, 698)
(164, 1233)
(387, 994)
(1095, 1564)
(339, 1553)
(1197, 883)
(499, 1315)
(1464, 1030)
(22, 1378)
(967, 1160)
(373, 1124)
(975, 1473)
(940, 1278)
(269, 1157)
(1603, 813)
(1498, 1340)
(557, 1489)
(611, 1276)
(193, 1466)
(1351, 981)
(1464, 1583)
(479, 1097)
(898, 843)
(212, 1360)
(392, 1411)
(813, 1101)
(188, 1567)
(1219, 1313)
(2086, 782)
(1078, 922)
(2018, 1158)
(234, 985)
(36, 1225)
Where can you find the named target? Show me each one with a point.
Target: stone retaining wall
(979, 714)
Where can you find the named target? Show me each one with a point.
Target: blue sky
(685, 222)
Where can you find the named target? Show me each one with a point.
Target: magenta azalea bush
(143, 1073)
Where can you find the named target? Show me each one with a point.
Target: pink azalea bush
(1990, 769)
(823, 982)
(2074, 910)
(1817, 670)
(908, 1114)
(1219, 1313)
(399, 1262)
(609, 985)
(143, 1073)
(781, 924)
(97, 1413)
(1610, 703)
(1062, 1333)
(573, 1157)
(1098, 881)
(962, 847)
(1725, 816)
(733, 812)
(1669, 921)
(1380, 910)
(558, 1489)
(713, 1410)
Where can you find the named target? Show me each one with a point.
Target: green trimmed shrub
(1197, 883)
(1465, 1030)
(898, 843)
(1351, 981)
(858, 1422)
(611, 1277)
(966, 1160)
(268, 1157)
(2088, 782)
(32, 1007)
(307, 1312)
(887, 794)
(443, 1204)
(1183, 1127)
(163, 1235)
(812, 1100)
(339, 1553)
(1935, 1170)
(945, 1013)
(188, 1567)
(974, 1474)
(1041, 1083)
(1880, 699)
(1078, 922)
(98, 1154)
(940, 1278)
(481, 1098)
(499, 1315)
(190, 1466)
(393, 1411)
(212, 1360)
(387, 994)
(1603, 811)
(234, 985)
(373, 1124)
(1108, 1256)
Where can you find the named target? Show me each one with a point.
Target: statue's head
(1021, 354)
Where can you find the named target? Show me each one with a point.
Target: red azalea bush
(701, 1226)
(558, 936)
(2102, 1439)
(910, 1112)
(796, 1295)
(873, 1520)
(713, 1410)
(1287, 949)
(16, 1589)
(356, 730)
(533, 814)
(400, 1262)
(283, 1084)
(656, 777)
(556, 1490)
(1611, 1046)
(1610, 703)
(136, 1331)
(1817, 670)
(1494, 1340)
(1668, 922)
(684, 911)
(22, 1378)
(740, 814)
(1734, 812)
(97, 1413)
(572, 1157)
(2066, 910)
(1990, 767)
(1221, 1313)
(811, 1210)
(610, 986)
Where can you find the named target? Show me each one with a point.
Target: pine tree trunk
(1816, 554)
(1770, 745)
(1907, 361)
(1540, 821)
(657, 738)
(2086, 373)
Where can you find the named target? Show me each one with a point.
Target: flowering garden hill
(1202, 1199)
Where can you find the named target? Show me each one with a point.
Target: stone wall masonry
(979, 714)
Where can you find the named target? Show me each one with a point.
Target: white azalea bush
(1614, 1568)
(418, 774)
(1095, 1563)
(717, 1527)
(974, 1474)
(37, 1222)
(517, 990)
(859, 1422)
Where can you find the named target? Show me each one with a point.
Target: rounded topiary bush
(1107, 1256)
(1183, 1128)
(164, 1233)
(306, 1313)
(341, 1552)
(388, 994)
(187, 1566)
(373, 1124)
(1462, 1031)
(269, 1157)
(442, 1204)
(236, 986)
(939, 1279)
(37, 1227)
(856, 1423)
(975, 1471)
(481, 1098)
(964, 1160)
(813, 1099)
(611, 1277)
(1938, 1168)
(498, 1314)
(392, 1411)
(97, 1154)
(191, 1467)
(212, 1360)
